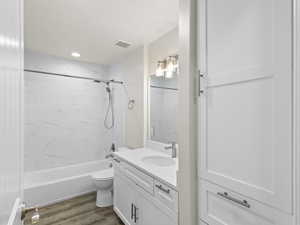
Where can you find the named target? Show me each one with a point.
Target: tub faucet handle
(113, 147)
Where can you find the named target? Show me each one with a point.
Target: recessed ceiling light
(75, 54)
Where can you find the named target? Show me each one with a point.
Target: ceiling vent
(123, 44)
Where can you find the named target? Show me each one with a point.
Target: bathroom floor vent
(123, 44)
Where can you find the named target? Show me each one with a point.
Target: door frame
(296, 111)
(187, 114)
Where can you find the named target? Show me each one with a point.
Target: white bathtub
(49, 186)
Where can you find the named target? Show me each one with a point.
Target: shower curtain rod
(76, 77)
(166, 88)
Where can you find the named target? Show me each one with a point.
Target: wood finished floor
(77, 211)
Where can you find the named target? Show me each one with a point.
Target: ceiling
(60, 27)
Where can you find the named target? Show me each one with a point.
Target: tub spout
(109, 156)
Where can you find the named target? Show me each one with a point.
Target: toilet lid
(104, 174)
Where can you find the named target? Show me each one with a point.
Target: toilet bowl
(104, 184)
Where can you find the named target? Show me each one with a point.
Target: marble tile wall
(63, 116)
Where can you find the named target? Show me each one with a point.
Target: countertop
(167, 175)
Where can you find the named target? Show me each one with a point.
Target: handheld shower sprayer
(110, 123)
(110, 108)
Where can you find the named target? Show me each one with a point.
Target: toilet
(104, 184)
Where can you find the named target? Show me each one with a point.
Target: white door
(124, 199)
(245, 56)
(11, 82)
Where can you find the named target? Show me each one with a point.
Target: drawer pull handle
(116, 160)
(240, 202)
(163, 189)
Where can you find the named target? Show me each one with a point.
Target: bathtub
(45, 187)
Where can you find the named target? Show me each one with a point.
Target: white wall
(63, 116)
(131, 69)
(164, 46)
(48, 63)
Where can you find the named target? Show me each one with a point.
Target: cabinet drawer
(166, 195)
(139, 178)
(220, 206)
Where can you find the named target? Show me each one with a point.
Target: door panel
(245, 56)
(11, 82)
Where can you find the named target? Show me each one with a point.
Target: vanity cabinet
(245, 112)
(137, 201)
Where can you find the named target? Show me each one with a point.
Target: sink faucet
(173, 146)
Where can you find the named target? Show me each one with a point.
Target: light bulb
(171, 66)
(160, 70)
(76, 54)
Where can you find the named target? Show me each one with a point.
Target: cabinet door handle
(201, 76)
(135, 214)
(240, 202)
(163, 189)
(131, 211)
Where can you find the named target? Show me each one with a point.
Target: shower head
(108, 89)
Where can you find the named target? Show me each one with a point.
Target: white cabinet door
(149, 213)
(245, 110)
(124, 199)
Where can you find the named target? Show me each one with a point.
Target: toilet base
(104, 198)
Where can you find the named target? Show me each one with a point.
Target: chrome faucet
(109, 156)
(173, 146)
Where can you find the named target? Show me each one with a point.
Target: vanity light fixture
(167, 68)
(161, 68)
(76, 54)
(172, 65)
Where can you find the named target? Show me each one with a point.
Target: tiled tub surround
(64, 116)
(53, 185)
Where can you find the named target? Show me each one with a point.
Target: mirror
(163, 70)
(163, 109)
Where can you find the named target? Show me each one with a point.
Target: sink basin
(159, 161)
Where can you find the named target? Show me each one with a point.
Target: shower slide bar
(166, 88)
(76, 77)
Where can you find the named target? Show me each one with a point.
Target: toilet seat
(106, 174)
